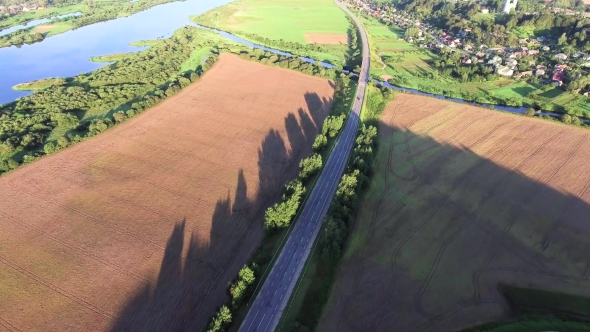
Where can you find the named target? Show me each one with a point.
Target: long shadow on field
(194, 276)
(444, 224)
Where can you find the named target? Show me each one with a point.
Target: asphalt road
(266, 310)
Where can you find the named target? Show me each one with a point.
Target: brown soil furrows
(149, 221)
(385, 134)
(57, 289)
(524, 162)
(553, 228)
(78, 249)
(21, 190)
(522, 184)
(407, 195)
(8, 325)
(446, 198)
(447, 140)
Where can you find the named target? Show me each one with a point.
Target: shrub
(310, 166)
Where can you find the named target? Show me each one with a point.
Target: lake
(67, 54)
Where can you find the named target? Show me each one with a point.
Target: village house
(495, 60)
(466, 61)
(546, 48)
(534, 42)
(511, 63)
(560, 67)
(533, 52)
(539, 72)
(558, 77)
(561, 56)
(504, 71)
(525, 74)
(485, 11)
(480, 54)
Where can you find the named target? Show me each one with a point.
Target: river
(511, 109)
(68, 54)
(35, 23)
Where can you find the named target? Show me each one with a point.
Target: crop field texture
(143, 227)
(463, 199)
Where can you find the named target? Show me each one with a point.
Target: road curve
(266, 310)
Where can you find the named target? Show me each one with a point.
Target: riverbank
(67, 54)
(29, 17)
(416, 67)
(91, 16)
(285, 25)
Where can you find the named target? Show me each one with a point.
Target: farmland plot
(143, 226)
(463, 199)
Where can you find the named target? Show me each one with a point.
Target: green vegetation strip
(279, 218)
(283, 24)
(316, 283)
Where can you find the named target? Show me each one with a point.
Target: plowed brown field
(326, 38)
(142, 227)
(463, 198)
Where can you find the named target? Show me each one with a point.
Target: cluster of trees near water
(450, 65)
(87, 104)
(94, 15)
(352, 59)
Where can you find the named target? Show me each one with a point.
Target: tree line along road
(266, 310)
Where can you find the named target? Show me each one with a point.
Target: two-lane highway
(267, 308)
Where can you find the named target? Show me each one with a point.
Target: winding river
(34, 23)
(68, 54)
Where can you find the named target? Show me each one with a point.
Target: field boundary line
(57, 289)
(296, 218)
(93, 218)
(80, 250)
(7, 324)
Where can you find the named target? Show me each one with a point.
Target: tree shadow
(193, 278)
(457, 219)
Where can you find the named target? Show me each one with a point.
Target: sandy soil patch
(142, 227)
(44, 28)
(463, 198)
(326, 38)
(386, 77)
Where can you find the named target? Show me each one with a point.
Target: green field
(286, 20)
(41, 13)
(289, 20)
(407, 65)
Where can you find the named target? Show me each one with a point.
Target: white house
(561, 56)
(504, 71)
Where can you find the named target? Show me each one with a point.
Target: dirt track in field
(319, 38)
(143, 226)
(463, 198)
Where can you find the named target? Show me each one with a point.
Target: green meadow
(289, 20)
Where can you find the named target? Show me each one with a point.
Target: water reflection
(68, 54)
(35, 23)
